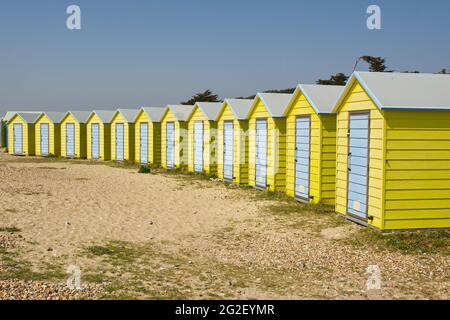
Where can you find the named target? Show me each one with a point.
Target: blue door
(228, 150)
(170, 145)
(6, 137)
(302, 157)
(95, 145)
(261, 153)
(358, 165)
(44, 139)
(70, 140)
(119, 141)
(198, 146)
(144, 143)
(18, 138)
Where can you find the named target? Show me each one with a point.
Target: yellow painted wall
(27, 139)
(240, 146)
(209, 142)
(358, 100)
(80, 137)
(417, 170)
(276, 149)
(105, 138)
(323, 151)
(54, 141)
(181, 140)
(128, 137)
(154, 139)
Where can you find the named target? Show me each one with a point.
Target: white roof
(105, 115)
(411, 91)
(28, 117)
(81, 116)
(8, 116)
(55, 117)
(276, 103)
(154, 113)
(321, 97)
(181, 112)
(210, 109)
(239, 107)
(129, 114)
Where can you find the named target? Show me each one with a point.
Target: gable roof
(275, 103)
(321, 97)
(10, 114)
(81, 116)
(181, 112)
(239, 107)
(54, 117)
(409, 91)
(129, 114)
(105, 115)
(209, 109)
(154, 113)
(28, 117)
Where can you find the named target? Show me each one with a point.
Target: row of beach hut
(377, 149)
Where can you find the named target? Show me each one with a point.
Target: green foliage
(206, 96)
(339, 79)
(144, 169)
(9, 229)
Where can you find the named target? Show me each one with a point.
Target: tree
(206, 96)
(289, 90)
(339, 79)
(444, 71)
(376, 64)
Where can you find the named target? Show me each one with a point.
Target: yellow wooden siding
(417, 170)
(104, 137)
(276, 149)
(358, 100)
(181, 140)
(128, 138)
(80, 137)
(54, 146)
(154, 139)
(328, 159)
(27, 136)
(240, 146)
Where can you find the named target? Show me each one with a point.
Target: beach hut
(148, 135)
(174, 136)
(202, 137)
(48, 134)
(2, 132)
(122, 134)
(232, 142)
(98, 132)
(73, 134)
(21, 135)
(393, 150)
(311, 143)
(8, 116)
(267, 141)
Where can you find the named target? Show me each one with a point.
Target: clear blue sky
(136, 52)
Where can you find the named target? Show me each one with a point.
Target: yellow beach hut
(232, 141)
(311, 143)
(122, 134)
(8, 116)
(267, 141)
(393, 150)
(148, 135)
(21, 135)
(202, 137)
(48, 134)
(73, 134)
(98, 132)
(174, 136)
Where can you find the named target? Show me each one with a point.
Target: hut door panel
(358, 165)
(261, 153)
(228, 150)
(198, 146)
(70, 140)
(119, 142)
(144, 143)
(95, 141)
(302, 157)
(170, 145)
(18, 137)
(44, 139)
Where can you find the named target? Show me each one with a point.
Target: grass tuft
(10, 229)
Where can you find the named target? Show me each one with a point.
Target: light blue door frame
(170, 145)
(70, 140)
(44, 139)
(228, 150)
(95, 141)
(119, 141)
(144, 143)
(261, 153)
(302, 157)
(18, 138)
(198, 146)
(358, 165)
